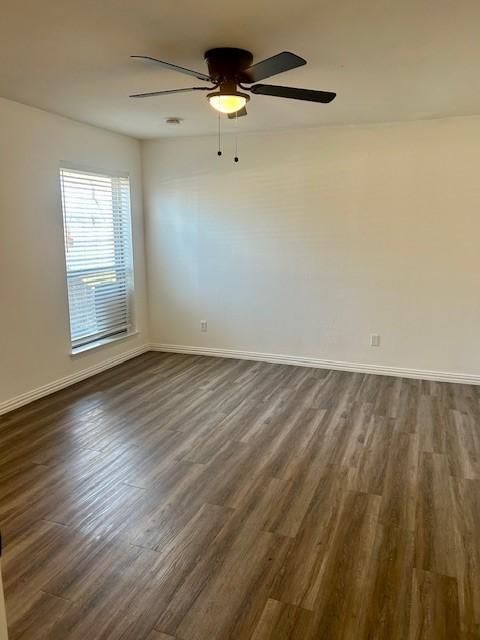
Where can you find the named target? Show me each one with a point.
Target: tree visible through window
(98, 253)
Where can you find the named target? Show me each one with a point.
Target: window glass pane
(96, 213)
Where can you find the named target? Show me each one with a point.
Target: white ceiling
(388, 60)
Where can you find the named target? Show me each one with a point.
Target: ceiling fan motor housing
(225, 64)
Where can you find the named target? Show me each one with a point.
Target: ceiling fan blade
(174, 67)
(164, 93)
(238, 114)
(293, 92)
(271, 66)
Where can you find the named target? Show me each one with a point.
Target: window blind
(98, 253)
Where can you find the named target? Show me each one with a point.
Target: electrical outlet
(203, 326)
(374, 340)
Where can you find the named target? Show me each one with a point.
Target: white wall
(34, 327)
(318, 238)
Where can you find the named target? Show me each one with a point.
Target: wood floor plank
(102, 602)
(388, 589)
(339, 606)
(224, 595)
(37, 619)
(281, 621)
(299, 581)
(180, 497)
(156, 635)
(435, 613)
(400, 488)
(466, 517)
(435, 530)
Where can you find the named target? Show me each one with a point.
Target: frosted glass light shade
(227, 103)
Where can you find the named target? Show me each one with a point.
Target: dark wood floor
(207, 499)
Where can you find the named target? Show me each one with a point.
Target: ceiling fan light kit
(228, 101)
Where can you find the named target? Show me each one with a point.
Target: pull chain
(219, 152)
(235, 159)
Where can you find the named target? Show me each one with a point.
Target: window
(98, 253)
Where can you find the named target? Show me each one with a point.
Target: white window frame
(81, 344)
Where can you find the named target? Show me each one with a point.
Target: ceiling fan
(229, 68)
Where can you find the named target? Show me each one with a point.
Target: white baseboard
(56, 385)
(383, 370)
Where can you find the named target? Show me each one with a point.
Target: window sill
(101, 343)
